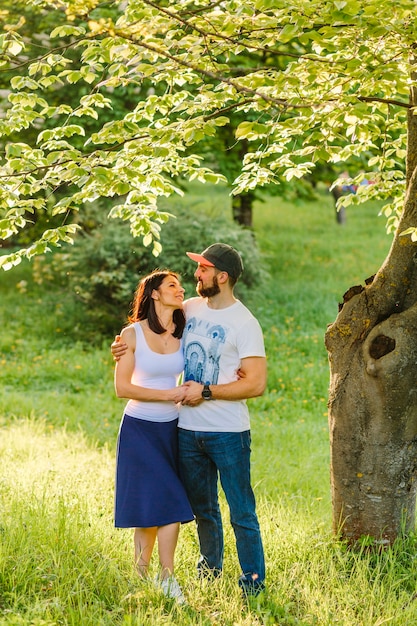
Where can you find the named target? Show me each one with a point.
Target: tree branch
(212, 75)
(227, 109)
(214, 34)
(242, 88)
(82, 157)
(397, 103)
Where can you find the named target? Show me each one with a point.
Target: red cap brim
(198, 258)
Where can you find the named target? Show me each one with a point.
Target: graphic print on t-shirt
(204, 343)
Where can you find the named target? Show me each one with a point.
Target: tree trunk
(242, 209)
(337, 192)
(242, 204)
(372, 348)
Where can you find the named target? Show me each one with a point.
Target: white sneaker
(171, 589)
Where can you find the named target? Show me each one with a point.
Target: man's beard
(208, 292)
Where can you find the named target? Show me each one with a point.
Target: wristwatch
(206, 393)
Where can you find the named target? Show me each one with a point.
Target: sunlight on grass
(37, 462)
(63, 562)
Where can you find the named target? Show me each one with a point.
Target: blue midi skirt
(148, 489)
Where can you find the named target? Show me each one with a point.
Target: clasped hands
(189, 393)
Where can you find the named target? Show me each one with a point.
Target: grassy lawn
(61, 560)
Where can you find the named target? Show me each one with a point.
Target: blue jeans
(203, 457)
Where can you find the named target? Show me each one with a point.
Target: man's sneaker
(250, 585)
(171, 589)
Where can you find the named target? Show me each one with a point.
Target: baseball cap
(222, 256)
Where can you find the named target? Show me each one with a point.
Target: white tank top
(154, 371)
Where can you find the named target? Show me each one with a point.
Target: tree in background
(342, 88)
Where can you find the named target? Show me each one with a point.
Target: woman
(149, 494)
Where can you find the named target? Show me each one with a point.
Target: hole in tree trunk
(381, 345)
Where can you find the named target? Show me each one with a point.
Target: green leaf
(67, 30)
(23, 82)
(15, 47)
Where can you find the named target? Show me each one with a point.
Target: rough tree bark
(372, 348)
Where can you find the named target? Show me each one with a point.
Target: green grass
(61, 560)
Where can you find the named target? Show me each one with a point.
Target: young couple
(176, 441)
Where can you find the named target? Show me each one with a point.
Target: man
(224, 365)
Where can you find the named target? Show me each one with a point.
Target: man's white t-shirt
(215, 342)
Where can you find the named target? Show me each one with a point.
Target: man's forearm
(241, 389)
(238, 390)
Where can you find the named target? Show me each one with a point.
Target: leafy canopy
(313, 81)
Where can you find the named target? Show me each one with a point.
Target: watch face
(206, 393)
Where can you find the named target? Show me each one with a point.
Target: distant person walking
(339, 190)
